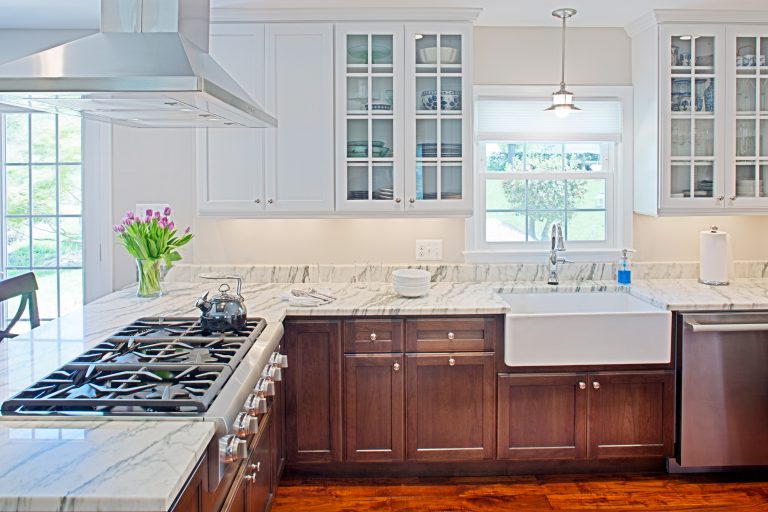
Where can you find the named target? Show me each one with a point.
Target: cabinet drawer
(449, 335)
(368, 336)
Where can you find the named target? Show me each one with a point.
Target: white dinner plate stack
(411, 282)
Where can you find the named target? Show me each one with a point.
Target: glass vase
(149, 278)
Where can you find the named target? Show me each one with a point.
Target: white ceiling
(592, 13)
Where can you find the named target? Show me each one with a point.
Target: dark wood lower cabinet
(631, 414)
(542, 416)
(313, 391)
(450, 406)
(598, 415)
(374, 407)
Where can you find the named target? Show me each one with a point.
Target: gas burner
(111, 388)
(185, 327)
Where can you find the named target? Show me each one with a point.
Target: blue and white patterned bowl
(449, 100)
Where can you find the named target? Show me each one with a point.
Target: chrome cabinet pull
(451, 336)
(596, 385)
(732, 198)
(451, 362)
(720, 198)
(411, 200)
(373, 336)
(257, 201)
(398, 200)
(270, 201)
(255, 467)
(582, 385)
(396, 366)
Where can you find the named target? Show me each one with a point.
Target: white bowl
(429, 55)
(411, 291)
(411, 275)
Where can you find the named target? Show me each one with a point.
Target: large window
(534, 169)
(42, 207)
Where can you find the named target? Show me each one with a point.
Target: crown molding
(255, 15)
(661, 16)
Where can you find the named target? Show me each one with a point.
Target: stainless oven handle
(697, 327)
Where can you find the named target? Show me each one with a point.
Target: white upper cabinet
(403, 111)
(287, 171)
(230, 161)
(701, 118)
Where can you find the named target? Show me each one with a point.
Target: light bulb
(562, 112)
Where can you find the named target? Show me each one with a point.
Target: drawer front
(449, 335)
(373, 336)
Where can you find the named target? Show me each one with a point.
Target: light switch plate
(429, 250)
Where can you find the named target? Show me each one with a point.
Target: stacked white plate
(411, 282)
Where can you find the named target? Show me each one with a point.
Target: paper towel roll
(714, 257)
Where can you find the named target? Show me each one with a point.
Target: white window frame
(618, 200)
(96, 164)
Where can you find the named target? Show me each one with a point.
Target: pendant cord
(562, 69)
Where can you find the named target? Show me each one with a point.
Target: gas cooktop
(155, 365)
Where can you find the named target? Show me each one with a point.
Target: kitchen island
(40, 453)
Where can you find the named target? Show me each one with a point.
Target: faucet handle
(564, 260)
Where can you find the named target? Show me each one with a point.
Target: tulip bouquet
(151, 239)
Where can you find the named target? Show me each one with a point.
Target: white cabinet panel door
(231, 160)
(299, 92)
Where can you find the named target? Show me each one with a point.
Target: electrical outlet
(429, 250)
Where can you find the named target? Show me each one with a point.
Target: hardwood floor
(656, 492)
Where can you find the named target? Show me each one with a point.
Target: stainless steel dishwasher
(724, 390)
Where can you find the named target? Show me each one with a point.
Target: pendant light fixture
(562, 99)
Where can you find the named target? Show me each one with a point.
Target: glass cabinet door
(369, 125)
(437, 99)
(748, 51)
(693, 115)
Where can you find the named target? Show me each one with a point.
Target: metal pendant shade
(562, 99)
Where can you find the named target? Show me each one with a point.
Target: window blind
(526, 119)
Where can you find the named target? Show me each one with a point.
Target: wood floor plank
(617, 493)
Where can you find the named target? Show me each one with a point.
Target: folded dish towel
(308, 297)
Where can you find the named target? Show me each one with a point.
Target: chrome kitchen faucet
(558, 245)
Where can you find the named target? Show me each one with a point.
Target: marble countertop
(97, 465)
(76, 474)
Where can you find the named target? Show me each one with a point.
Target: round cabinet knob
(732, 198)
(398, 200)
(596, 385)
(451, 336)
(269, 201)
(720, 198)
(396, 366)
(257, 201)
(451, 362)
(373, 336)
(411, 200)
(582, 385)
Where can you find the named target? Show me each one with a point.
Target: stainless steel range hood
(148, 67)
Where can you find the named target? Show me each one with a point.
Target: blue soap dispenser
(625, 274)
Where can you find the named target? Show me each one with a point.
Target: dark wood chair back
(25, 286)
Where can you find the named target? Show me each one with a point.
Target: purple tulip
(120, 229)
(157, 215)
(148, 212)
(138, 220)
(163, 223)
(186, 230)
(114, 228)
(128, 222)
(129, 215)
(167, 211)
(165, 220)
(170, 225)
(148, 219)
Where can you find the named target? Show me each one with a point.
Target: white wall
(157, 166)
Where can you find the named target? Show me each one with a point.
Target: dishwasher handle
(697, 327)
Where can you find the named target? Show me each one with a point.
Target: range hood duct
(147, 67)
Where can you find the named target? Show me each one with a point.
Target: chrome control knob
(255, 405)
(279, 360)
(232, 449)
(245, 425)
(265, 388)
(272, 373)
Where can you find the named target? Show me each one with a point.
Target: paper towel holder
(714, 229)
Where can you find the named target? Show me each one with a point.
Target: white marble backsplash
(454, 272)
